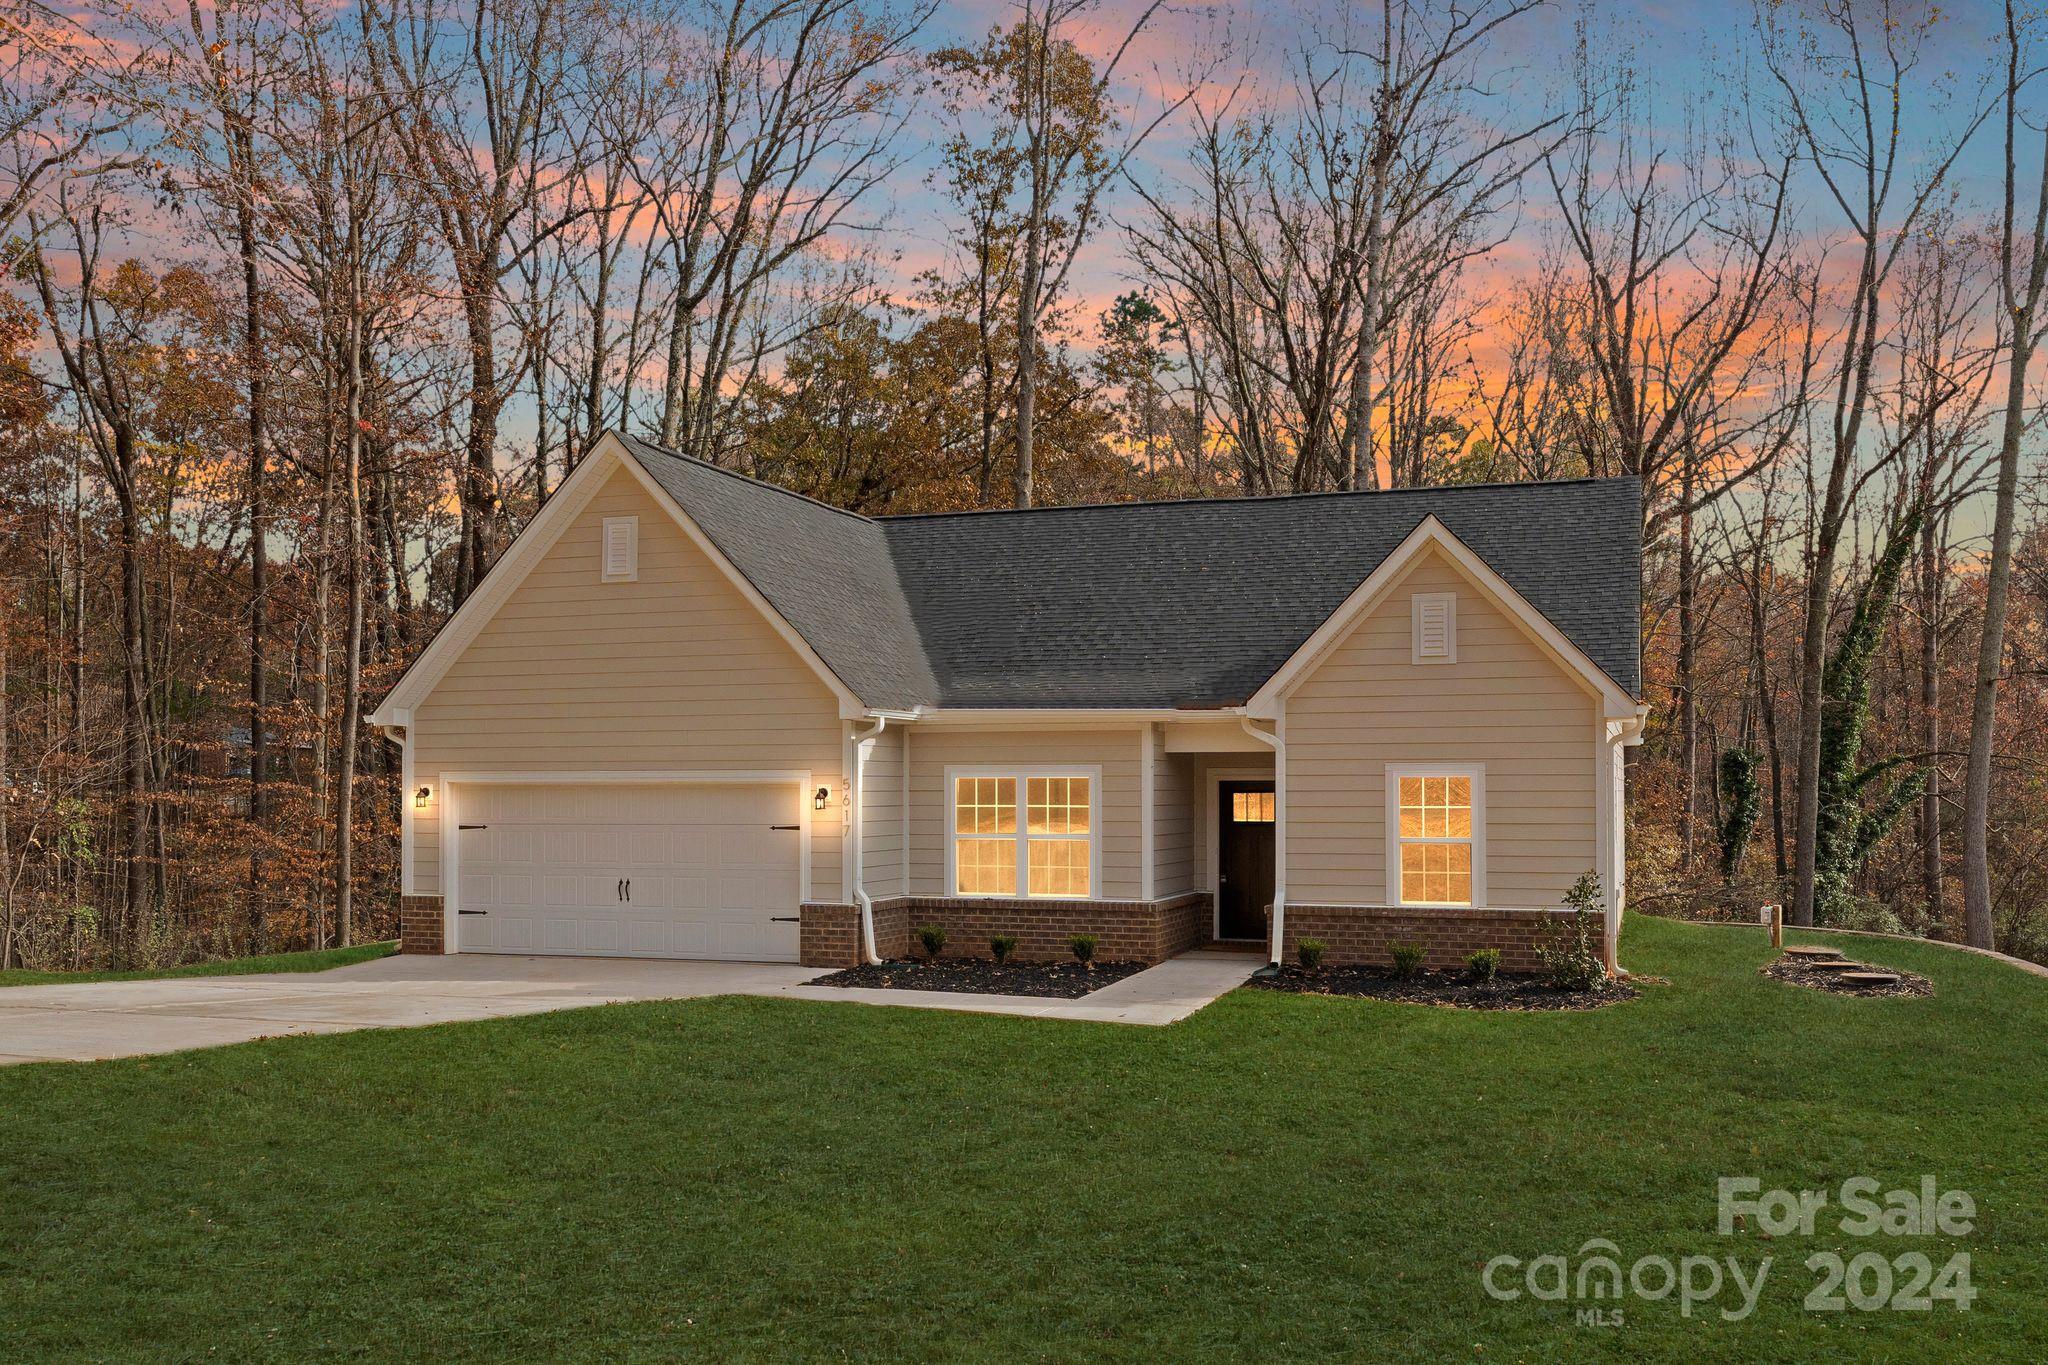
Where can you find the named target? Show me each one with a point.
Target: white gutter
(1278, 741)
(861, 742)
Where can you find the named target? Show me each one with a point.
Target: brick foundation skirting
(1365, 935)
(1126, 931)
(421, 929)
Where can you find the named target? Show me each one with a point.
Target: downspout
(860, 892)
(1277, 741)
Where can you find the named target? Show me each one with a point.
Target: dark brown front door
(1244, 858)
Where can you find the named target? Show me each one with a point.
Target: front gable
(668, 669)
(1431, 540)
(1505, 708)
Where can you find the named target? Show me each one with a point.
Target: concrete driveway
(135, 1018)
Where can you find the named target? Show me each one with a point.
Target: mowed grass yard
(325, 959)
(1278, 1175)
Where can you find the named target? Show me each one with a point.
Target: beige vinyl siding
(1173, 822)
(1505, 704)
(934, 748)
(882, 815)
(674, 672)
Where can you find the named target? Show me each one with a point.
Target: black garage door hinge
(472, 912)
(472, 827)
(785, 826)
(785, 919)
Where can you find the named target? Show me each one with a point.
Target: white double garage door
(623, 869)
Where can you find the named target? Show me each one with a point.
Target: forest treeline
(305, 308)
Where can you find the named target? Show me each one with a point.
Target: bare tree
(1853, 138)
(476, 101)
(72, 91)
(784, 117)
(2020, 309)
(93, 338)
(1065, 111)
(1433, 172)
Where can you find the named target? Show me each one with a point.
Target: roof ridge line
(744, 478)
(884, 518)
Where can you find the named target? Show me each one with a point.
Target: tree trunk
(1977, 925)
(134, 703)
(1027, 363)
(1812, 659)
(480, 453)
(352, 686)
(1688, 695)
(6, 843)
(1931, 569)
(259, 624)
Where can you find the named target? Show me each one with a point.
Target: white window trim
(1475, 771)
(604, 551)
(1416, 606)
(1022, 773)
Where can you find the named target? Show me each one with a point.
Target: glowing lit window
(1050, 853)
(1251, 808)
(1436, 848)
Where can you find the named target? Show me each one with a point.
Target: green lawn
(1278, 1175)
(233, 966)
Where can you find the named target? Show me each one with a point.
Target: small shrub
(1571, 950)
(1310, 951)
(1001, 946)
(1483, 965)
(1408, 959)
(933, 937)
(1083, 947)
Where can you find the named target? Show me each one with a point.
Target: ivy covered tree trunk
(1742, 801)
(1846, 829)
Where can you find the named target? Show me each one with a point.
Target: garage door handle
(620, 890)
(785, 826)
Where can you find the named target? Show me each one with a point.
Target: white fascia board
(1431, 532)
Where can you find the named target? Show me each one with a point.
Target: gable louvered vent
(621, 549)
(1435, 620)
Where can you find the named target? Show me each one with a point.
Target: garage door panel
(710, 875)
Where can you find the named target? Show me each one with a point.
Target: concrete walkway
(1164, 994)
(90, 1021)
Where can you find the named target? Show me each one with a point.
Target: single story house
(690, 714)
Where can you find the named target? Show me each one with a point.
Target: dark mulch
(977, 976)
(1437, 987)
(1794, 972)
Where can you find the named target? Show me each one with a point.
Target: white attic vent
(621, 549)
(1434, 618)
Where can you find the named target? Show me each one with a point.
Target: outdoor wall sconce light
(818, 801)
(421, 797)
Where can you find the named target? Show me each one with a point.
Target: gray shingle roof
(827, 571)
(1167, 604)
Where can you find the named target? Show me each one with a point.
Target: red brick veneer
(1127, 931)
(421, 929)
(1365, 935)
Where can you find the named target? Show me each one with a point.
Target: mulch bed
(1794, 972)
(978, 976)
(1453, 989)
